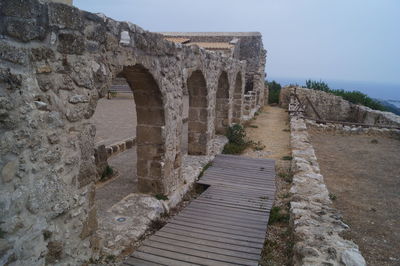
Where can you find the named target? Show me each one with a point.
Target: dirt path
(362, 173)
(273, 132)
(271, 129)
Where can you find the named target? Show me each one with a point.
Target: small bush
(288, 177)
(204, 169)
(161, 197)
(108, 173)
(374, 141)
(287, 158)
(237, 140)
(257, 146)
(253, 126)
(332, 196)
(277, 215)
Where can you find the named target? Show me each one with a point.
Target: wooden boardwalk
(225, 225)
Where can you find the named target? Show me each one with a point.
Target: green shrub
(204, 169)
(108, 173)
(356, 97)
(161, 197)
(274, 91)
(287, 158)
(237, 140)
(277, 215)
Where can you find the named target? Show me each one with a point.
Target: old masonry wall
(56, 62)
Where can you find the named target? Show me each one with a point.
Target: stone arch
(237, 99)
(150, 122)
(198, 115)
(222, 104)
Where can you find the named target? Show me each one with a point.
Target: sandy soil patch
(362, 174)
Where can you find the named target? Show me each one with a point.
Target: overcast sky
(322, 39)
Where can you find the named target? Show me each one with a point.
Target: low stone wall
(102, 153)
(316, 225)
(335, 108)
(352, 130)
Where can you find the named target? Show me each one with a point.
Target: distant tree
(274, 91)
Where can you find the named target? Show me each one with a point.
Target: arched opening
(237, 99)
(222, 104)
(198, 115)
(150, 120)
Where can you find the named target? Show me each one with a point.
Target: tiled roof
(214, 45)
(177, 39)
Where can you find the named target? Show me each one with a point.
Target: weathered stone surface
(9, 170)
(71, 43)
(24, 30)
(316, 225)
(335, 108)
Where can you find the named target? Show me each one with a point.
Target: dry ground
(271, 128)
(364, 177)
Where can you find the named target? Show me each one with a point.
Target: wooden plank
(210, 232)
(252, 222)
(160, 259)
(139, 262)
(188, 258)
(228, 210)
(221, 224)
(216, 238)
(214, 228)
(214, 249)
(236, 204)
(217, 224)
(208, 242)
(223, 220)
(246, 210)
(207, 255)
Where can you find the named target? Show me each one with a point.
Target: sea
(382, 91)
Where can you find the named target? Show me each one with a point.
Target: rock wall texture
(335, 108)
(56, 61)
(316, 225)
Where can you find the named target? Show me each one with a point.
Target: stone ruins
(56, 63)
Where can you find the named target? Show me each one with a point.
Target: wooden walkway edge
(225, 225)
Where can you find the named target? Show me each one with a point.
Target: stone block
(55, 250)
(71, 43)
(9, 170)
(150, 116)
(90, 225)
(24, 29)
(129, 143)
(142, 168)
(149, 135)
(65, 17)
(152, 186)
(156, 169)
(22, 8)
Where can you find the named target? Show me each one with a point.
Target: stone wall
(335, 108)
(248, 47)
(316, 225)
(56, 62)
